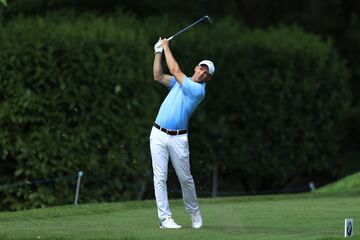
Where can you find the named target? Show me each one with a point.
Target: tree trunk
(215, 180)
(142, 190)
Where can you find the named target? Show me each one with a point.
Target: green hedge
(77, 94)
(275, 111)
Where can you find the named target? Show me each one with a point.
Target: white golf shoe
(169, 223)
(196, 219)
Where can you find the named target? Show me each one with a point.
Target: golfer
(169, 135)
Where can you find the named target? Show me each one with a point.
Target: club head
(208, 18)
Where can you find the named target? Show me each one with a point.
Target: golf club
(191, 25)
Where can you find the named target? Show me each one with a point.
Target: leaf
(3, 2)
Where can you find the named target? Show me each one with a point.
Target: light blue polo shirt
(180, 103)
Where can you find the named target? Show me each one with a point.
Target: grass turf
(348, 184)
(298, 216)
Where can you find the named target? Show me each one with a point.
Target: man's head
(204, 71)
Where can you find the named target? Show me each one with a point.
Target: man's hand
(164, 43)
(158, 48)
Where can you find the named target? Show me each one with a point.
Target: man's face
(201, 73)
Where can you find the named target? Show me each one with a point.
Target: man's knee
(186, 179)
(160, 181)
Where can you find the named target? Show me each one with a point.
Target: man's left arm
(173, 66)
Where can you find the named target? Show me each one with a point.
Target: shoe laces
(196, 217)
(169, 220)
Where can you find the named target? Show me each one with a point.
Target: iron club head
(208, 18)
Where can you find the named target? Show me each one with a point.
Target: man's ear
(209, 78)
(196, 68)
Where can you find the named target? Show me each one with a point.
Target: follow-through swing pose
(169, 135)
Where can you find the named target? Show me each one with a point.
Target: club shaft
(183, 30)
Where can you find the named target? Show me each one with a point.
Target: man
(169, 135)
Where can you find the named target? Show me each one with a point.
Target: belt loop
(177, 132)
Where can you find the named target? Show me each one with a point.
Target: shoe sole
(161, 227)
(197, 227)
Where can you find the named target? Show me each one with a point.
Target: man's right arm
(159, 76)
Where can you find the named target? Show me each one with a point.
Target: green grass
(298, 216)
(348, 184)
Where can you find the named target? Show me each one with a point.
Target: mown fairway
(299, 216)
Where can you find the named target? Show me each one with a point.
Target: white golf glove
(158, 48)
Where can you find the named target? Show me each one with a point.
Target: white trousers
(162, 146)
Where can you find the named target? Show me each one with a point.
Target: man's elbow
(157, 77)
(174, 71)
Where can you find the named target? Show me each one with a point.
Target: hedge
(77, 94)
(275, 111)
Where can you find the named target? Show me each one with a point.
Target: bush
(275, 110)
(77, 94)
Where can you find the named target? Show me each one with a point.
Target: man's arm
(173, 66)
(159, 76)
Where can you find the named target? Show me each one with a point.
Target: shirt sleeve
(193, 90)
(172, 82)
